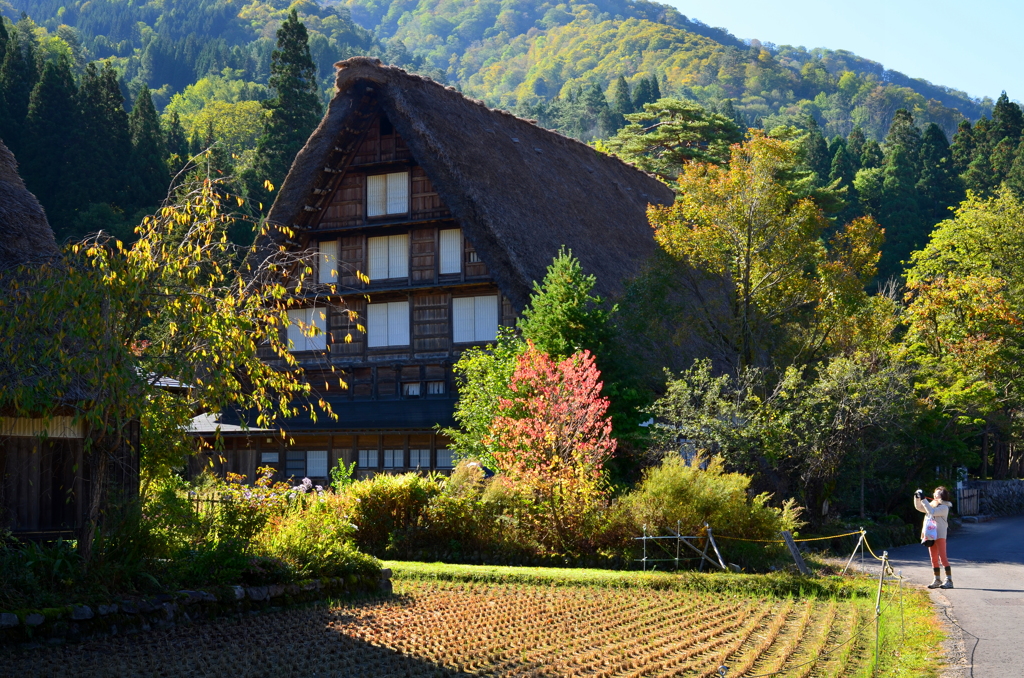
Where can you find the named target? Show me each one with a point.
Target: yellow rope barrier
(780, 541)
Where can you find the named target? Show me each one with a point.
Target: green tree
(939, 187)
(18, 77)
(176, 142)
(46, 156)
(644, 93)
(681, 132)
(816, 153)
(899, 212)
(1007, 121)
(855, 146)
(618, 93)
(963, 146)
(1015, 178)
(871, 156)
(294, 110)
(149, 174)
(562, 317)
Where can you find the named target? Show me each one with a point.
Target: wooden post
(795, 552)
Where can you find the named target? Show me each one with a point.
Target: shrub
(315, 539)
(387, 507)
(675, 493)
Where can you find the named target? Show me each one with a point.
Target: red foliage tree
(551, 442)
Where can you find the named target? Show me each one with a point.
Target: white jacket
(939, 510)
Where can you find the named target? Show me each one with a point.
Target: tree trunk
(984, 454)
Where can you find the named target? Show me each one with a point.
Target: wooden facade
(45, 487)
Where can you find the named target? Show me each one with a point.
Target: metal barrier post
(645, 548)
(679, 538)
(860, 541)
(878, 602)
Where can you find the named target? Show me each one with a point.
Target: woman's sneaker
(936, 583)
(948, 584)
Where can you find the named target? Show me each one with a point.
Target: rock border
(75, 623)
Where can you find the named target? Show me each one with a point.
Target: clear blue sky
(973, 45)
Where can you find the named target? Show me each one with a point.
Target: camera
(919, 493)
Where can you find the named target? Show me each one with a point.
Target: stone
(8, 620)
(128, 607)
(104, 610)
(81, 612)
(34, 619)
(385, 573)
(257, 592)
(239, 592)
(275, 590)
(169, 610)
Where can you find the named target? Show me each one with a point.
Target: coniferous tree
(855, 146)
(1001, 160)
(18, 77)
(871, 155)
(102, 143)
(903, 133)
(978, 175)
(939, 187)
(176, 143)
(842, 167)
(4, 38)
(618, 93)
(1007, 121)
(643, 93)
(962, 148)
(816, 153)
(149, 175)
(1015, 179)
(899, 213)
(655, 89)
(294, 110)
(46, 157)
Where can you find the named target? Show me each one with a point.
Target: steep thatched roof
(25, 235)
(519, 191)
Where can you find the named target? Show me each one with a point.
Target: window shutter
(376, 325)
(485, 318)
(398, 256)
(398, 193)
(328, 261)
(376, 195)
(378, 257)
(316, 464)
(398, 323)
(317, 318)
(296, 339)
(451, 251)
(463, 324)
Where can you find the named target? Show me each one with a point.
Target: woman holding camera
(937, 508)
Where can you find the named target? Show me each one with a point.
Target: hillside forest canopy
(871, 339)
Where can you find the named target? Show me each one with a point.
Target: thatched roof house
(25, 235)
(519, 191)
(449, 211)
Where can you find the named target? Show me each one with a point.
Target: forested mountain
(198, 74)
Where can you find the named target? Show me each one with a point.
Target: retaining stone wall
(999, 497)
(79, 622)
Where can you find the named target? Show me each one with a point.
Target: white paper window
(387, 324)
(411, 390)
(307, 329)
(387, 194)
(444, 459)
(369, 459)
(419, 458)
(474, 319)
(316, 463)
(394, 458)
(389, 256)
(435, 387)
(451, 251)
(327, 261)
(270, 457)
(295, 464)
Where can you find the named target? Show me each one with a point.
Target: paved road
(988, 601)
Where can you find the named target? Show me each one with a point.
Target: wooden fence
(967, 502)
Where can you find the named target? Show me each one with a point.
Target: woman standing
(938, 509)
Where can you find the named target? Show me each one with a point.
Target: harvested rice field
(480, 629)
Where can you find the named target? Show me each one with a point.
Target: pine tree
(642, 94)
(1007, 121)
(962, 147)
(620, 98)
(939, 187)
(871, 156)
(46, 158)
(1015, 179)
(899, 213)
(855, 146)
(176, 144)
(842, 167)
(816, 153)
(18, 76)
(1001, 160)
(294, 110)
(903, 133)
(655, 89)
(102, 142)
(149, 175)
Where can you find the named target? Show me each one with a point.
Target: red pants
(938, 553)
